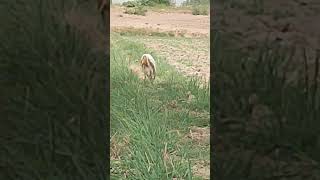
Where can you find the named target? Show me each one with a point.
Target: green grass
(144, 113)
(142, 32)
(149, 3)
(166, 8)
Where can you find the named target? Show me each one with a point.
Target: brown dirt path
(161, 21)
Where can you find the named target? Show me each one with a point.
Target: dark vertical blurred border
(212, 163)
(265, 96)
(108, 89)
(54, 90)
(107, 92)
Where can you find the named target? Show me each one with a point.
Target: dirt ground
(190, 57)
(161, 21)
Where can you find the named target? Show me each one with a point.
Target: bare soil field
(161, 21)
(189, 55)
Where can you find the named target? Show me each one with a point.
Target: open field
(159, 130)
(189, 52)
(163, 125)
(190, 56)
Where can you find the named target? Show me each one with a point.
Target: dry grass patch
(154, 32)
(201, 169)
(118, 146)
(199, 135)
(136, 70)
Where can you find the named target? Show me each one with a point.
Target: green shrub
(146, 3)
(195, 11)
(137, 10)
(196, 2)
(200, 10)
(130, 4)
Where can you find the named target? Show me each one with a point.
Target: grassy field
(151, 123)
